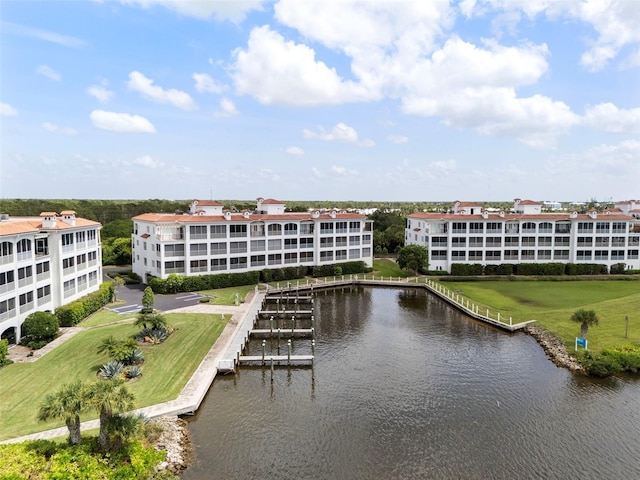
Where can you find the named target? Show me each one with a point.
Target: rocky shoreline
(175, 440)
(555, 349)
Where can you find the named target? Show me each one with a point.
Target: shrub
(111, 369)
(40, 328)
(135, 358)
(74, 312)
(4, 352)
(132, 371)
(618, 268)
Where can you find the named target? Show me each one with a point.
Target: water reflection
(407, 388)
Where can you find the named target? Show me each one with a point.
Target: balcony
(5, 259)
(44, 300)
(22, 256)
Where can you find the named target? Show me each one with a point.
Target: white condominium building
(45, 262)
(210, 240)
(470, 234)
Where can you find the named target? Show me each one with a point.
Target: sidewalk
(198, 385)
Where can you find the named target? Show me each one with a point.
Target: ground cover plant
(167, 368)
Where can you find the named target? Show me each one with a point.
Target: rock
(175, 440)
(555, 349)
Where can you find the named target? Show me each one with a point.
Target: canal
(406, 387)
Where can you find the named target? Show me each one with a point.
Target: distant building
(473, 235)
(210, 240)
(45, 262)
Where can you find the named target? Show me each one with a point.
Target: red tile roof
(239, 217)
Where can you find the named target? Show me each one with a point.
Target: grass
(227, 296)
(388, 268)
(166, 369)
(103, 317)
(553, 303)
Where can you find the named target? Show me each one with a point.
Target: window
(617, 241)
(602, 241)
(341, 227)
(91, 235)
(528, 255)
(510, 242)
(528, 227)
(7, 305)
(306, 228)
(494, 227)
(237, 231)
(82, 282)
(458, 256)
(585, 227)
(7, 277)
(561, 254)
(257, 245)
(174, 250)
(544, 254)
(291, 257)
(219, 248)
(26, 298)
(257, 229)
(218, 264)
(603, 227)
(458, 242)
(43, 291)
(511, 254)
(585, 241)
(545, 241)
(327, 242)
(619, 227)
(290, 229)
(275, 229)
(275, 244)
(459, 227)
(528, 241)
(634, 241)
(512, 228)
(306, 257)
(340, 242)
(475, 255)
(326, 256)
(238, 247)
(582, 255)
(563, 228)
(93, 277)
(69, 285)
(617, 254)
(306, 243)
(438, 241)
(81, 260)
(6, 249)
(354, 227)
(366, 239)
(68, 263)
(257, 260)
(476, 227)
(545, 227)
(493, 255)
(198, 249)
(238, 263)
(494, 242)
(42, 267)
(354, 253)
(67, 239)
(438, 254)
(198, 231)
(218, 231)
(174, 267)
(290, 243)
(198, 265)
(326, 228)
(632, 254)
(81, 237)
(92, 257)
(561, 241)
(354, 240)
(275, 259)
(341, 254)
(601, 255)
(366, 252)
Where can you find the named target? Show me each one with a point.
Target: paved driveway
(132, 296)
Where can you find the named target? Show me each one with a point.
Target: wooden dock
(275, 313)
(282, 332)
(278, 360)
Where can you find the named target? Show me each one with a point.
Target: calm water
(407, 388)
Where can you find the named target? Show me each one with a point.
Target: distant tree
(585, 318)
(148, 299)
(413, 257)
(66, 404)
(108, 397)
(117, 229)
(39, 327)
(121, 251)
(117, 282)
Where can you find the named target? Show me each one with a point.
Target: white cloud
(610, 118)
(599, 163)
(53, 128)
(206, 84)
(443, 167)
(148, 161)
(276, 71)
(100, 93)
(398, 139)
(234, 11)
(121, 122)
(317, 173)
(295, 151)
(64, 40)
(339, 133)
(228, 109)
(6, 109)
(342, 171)
(143, 85)
(48, 72)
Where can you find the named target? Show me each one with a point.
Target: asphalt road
(132, 296)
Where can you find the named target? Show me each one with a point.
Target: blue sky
(320, 100)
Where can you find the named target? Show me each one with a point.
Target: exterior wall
(40, 280)
(497, 239)
(189, 245)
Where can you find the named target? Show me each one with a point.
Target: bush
(133, 372)
(111, 370)
(618, 268)
(74, 312)
(39, 328)
(176, 283)
(4, 353)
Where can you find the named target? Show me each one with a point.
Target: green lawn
(227, 296)
(103, 317)
(553, 303)
(166, 369)
(388, 268)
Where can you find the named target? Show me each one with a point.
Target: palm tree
(586, 318)
(108, 397)
(66, 404)
(118, 350)
(154, 320)
(121, 428)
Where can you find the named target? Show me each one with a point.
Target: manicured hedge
(73, 313)
(545, 269)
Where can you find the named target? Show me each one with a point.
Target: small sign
(581, 342)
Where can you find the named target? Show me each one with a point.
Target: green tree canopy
(148, 298)
(108, 397)
(39, 327)
(413, 257)
(66, 404)
(585, 318)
